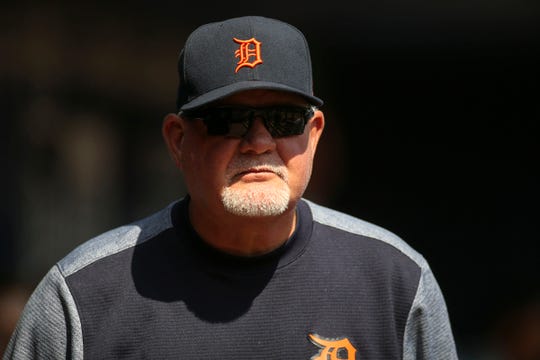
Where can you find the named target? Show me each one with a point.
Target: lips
(259, 173)
(261, 167)
(256, 170)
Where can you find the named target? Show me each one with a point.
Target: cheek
(302, 165)
(298, 158)
(204, 162)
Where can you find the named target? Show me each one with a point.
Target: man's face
(255, 175)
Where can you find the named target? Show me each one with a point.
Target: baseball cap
(243, 53)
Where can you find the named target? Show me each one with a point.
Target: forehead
(259, 97)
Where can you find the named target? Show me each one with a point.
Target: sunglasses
(236, 121)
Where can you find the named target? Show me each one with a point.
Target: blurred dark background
(432, 132)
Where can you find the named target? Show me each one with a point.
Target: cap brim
(223, 92)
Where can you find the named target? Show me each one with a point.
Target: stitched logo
(333, 349)
(249, 50)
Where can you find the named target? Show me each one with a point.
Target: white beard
(256, 199)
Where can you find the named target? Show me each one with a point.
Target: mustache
(242, 163)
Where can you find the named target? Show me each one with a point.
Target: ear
(316, 128)
(173, 134)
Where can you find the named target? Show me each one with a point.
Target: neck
(241, 235)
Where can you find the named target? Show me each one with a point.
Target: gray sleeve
(49, 327)
(428, 334)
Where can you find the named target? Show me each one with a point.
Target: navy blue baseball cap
(250, 52)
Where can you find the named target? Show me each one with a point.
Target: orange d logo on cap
(248, 49)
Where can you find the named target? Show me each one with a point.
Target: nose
(257, 140)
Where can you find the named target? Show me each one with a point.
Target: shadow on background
(432, 132)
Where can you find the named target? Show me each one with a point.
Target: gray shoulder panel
(357, 226)
(428, 333)
(116, 240)
(49, 327)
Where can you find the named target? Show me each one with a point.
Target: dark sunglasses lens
(227, 122)
(285, 122)
(235, 122)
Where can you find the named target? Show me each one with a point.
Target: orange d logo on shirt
(333, 349)
(249, 50)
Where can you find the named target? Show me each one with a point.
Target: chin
(256, 201)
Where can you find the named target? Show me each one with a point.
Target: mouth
(259, 173)
(255, 171)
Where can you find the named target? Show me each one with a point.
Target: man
(242, 267)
